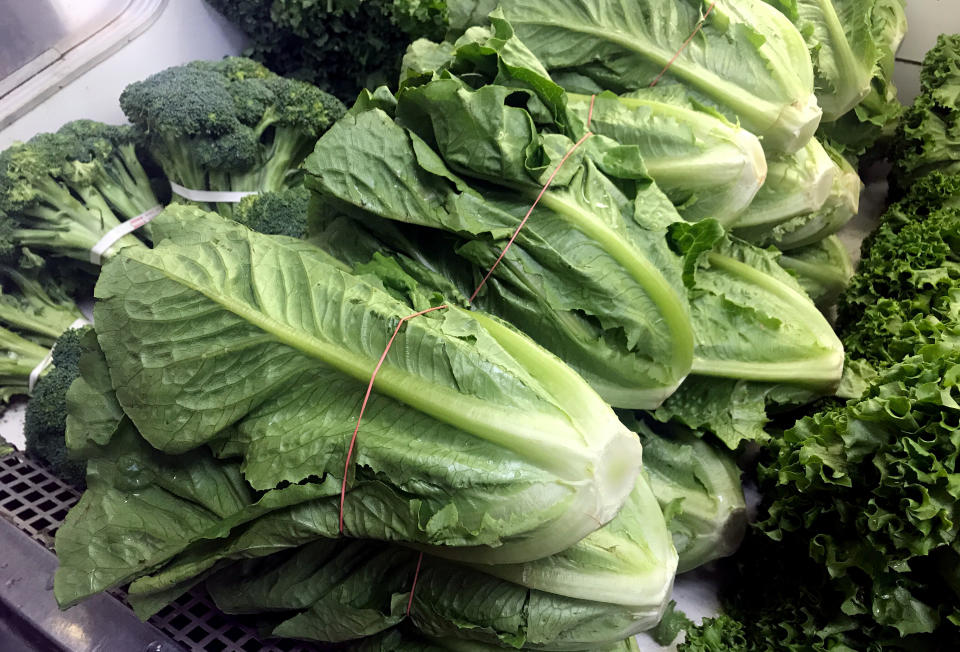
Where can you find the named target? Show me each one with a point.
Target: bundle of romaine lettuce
(605, 273)
(214, 413)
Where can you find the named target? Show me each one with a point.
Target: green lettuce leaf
(708, 166)
(822, 269)
(752, 320)
(873, 489)
(612, 584)
(807, 197)
(698, 487)
(928, 138)
(842, 48)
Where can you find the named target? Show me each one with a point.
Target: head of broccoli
(46, 419)
(276, 213)
(229, 125)
(60, 192)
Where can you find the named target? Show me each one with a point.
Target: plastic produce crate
(35, 502)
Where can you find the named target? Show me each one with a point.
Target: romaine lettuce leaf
(823, 269)
(708, 166)
(807, 196)
(842, 48)
(698, 487)
(592, 251)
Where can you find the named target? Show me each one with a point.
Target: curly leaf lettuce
(874, 488)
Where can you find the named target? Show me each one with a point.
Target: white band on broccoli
(110, 237)
(215, 196)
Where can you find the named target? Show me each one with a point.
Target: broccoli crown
(226, 106)
(23, 166)
(73, 157)
(276, 213)
(229, 124)
(46, 419)
(61, 191)
(188, 100)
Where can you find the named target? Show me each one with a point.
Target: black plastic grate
(36, 502)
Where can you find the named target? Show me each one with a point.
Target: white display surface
(185, 31)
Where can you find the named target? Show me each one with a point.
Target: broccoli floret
(60, 192)
(276, 213)
(46, 418)
(106, 155)
(229, 125)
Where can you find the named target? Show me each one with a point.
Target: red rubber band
(684, 46)
(366, 398)
(413, 588)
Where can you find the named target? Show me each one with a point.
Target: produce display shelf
(35, 502)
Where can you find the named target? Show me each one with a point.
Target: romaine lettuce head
(807, 196)
(708, 166)
(611, 585)
(874, 120)
(823, 269)
(842, 48)
(748, 60)
(698, 487)
(752, 321)
(594, 251)
(474, 437)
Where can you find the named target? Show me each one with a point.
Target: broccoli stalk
(21, 357)
(44, 311)
(60, 193)
(229, 125)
